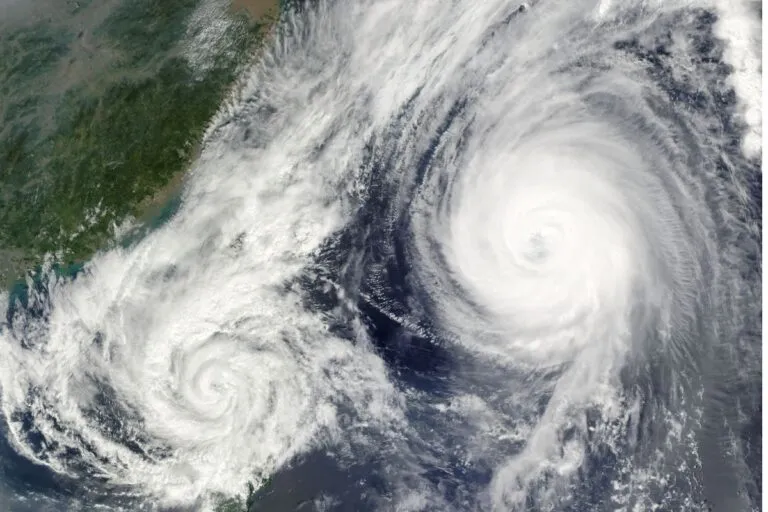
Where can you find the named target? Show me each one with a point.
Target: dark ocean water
(464, 415)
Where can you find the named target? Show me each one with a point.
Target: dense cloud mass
(474, 255)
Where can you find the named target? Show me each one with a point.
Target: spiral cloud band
(483, 256)
(553, 240)
(567, 242)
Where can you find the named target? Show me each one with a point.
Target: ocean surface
(433, 256)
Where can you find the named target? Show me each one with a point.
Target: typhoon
(434, 256)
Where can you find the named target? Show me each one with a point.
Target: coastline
(131, 178)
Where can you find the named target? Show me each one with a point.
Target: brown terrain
(257, 9)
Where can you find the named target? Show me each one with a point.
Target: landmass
(102, 108)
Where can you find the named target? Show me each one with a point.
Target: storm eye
(538, 248)
(466, 255)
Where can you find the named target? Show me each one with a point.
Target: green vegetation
(97, 124)
(80, 153)
(134, 24)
